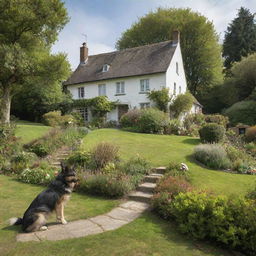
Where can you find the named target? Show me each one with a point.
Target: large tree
(240, 38)
(28, 28)
(199, 43)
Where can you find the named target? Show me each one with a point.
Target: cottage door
(122, 109)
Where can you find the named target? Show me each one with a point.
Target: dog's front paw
(64, 222)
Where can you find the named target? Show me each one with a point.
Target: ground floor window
(84, 113)
(145, 105)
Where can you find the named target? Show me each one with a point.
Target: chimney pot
(83, 53)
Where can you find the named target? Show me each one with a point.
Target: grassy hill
(161, 149)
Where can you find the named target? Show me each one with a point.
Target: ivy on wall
(99, 106)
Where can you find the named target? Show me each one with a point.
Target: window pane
(147, 84)
(142, 86)
(122, 88)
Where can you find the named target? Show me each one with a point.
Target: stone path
(123, 214)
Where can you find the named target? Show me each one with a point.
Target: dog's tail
(15, 221)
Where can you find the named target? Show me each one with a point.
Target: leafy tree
(43, 92)
(242, 112)
(181, 104)
(161, 98)
(199, 43)
(28, 28)
(240, 38)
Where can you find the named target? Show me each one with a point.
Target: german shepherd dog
(51, 199)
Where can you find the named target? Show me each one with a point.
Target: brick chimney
(175, 37)
(83, 53)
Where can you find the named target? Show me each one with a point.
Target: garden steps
(59, 156)
(126, 212)
(140, 196)
(147, 187)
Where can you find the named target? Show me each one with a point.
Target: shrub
(218, 119)
(165, 192)
(242, 112)
(250, 134)
(174, 127)
(54, 118)
(212, 155)
(161, 98)
(175, 169)
(212, 133)
(37, 176)
(227, 221)
(115, 185)
(81, 158)
(131, 118)
(182, 104)
(21, 161)
(152, 121)
(136, 166)
(104, 153)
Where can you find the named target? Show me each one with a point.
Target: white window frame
(80, 92)
(105, 68)
(174, 88)
(144, 85)
(120, 87)
(102, 90)
(144, 105)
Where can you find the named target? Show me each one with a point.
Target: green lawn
(160, 149)
(28, 131)
(148, 235)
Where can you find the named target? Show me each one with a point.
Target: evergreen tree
(240, 38)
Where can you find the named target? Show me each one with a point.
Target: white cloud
(97, 29)
(102, 32)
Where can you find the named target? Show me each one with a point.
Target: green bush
(104, 153)
(115, 185)
(161, 98)
(152, 121)
(54, 118)
(242, 112)
(131, 118)
(21, 161)
(136, 166)
(250, 134)
(181, 104)
(37, 176)
(174, 127)
(165, 192)
(212, 133)
(81, 159)
(217, 119)
(227, 221)
(212, 155)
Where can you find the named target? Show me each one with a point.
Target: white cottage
(128, 75)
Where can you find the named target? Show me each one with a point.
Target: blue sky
(103, 21)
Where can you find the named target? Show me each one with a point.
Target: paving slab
(25, 237)
(124, 214)
(108, 223)
(135, 205)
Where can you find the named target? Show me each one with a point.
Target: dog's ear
(63, 167)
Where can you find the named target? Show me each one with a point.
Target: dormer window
(105, 68)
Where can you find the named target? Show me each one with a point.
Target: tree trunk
(6, 105)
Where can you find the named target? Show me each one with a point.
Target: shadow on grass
(192, 141)
(170, 231)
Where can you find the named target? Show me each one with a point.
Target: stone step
(140, 196)
(160, 170)
(146, 187)
(55, 163)
(153, 177)
(60, 158)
